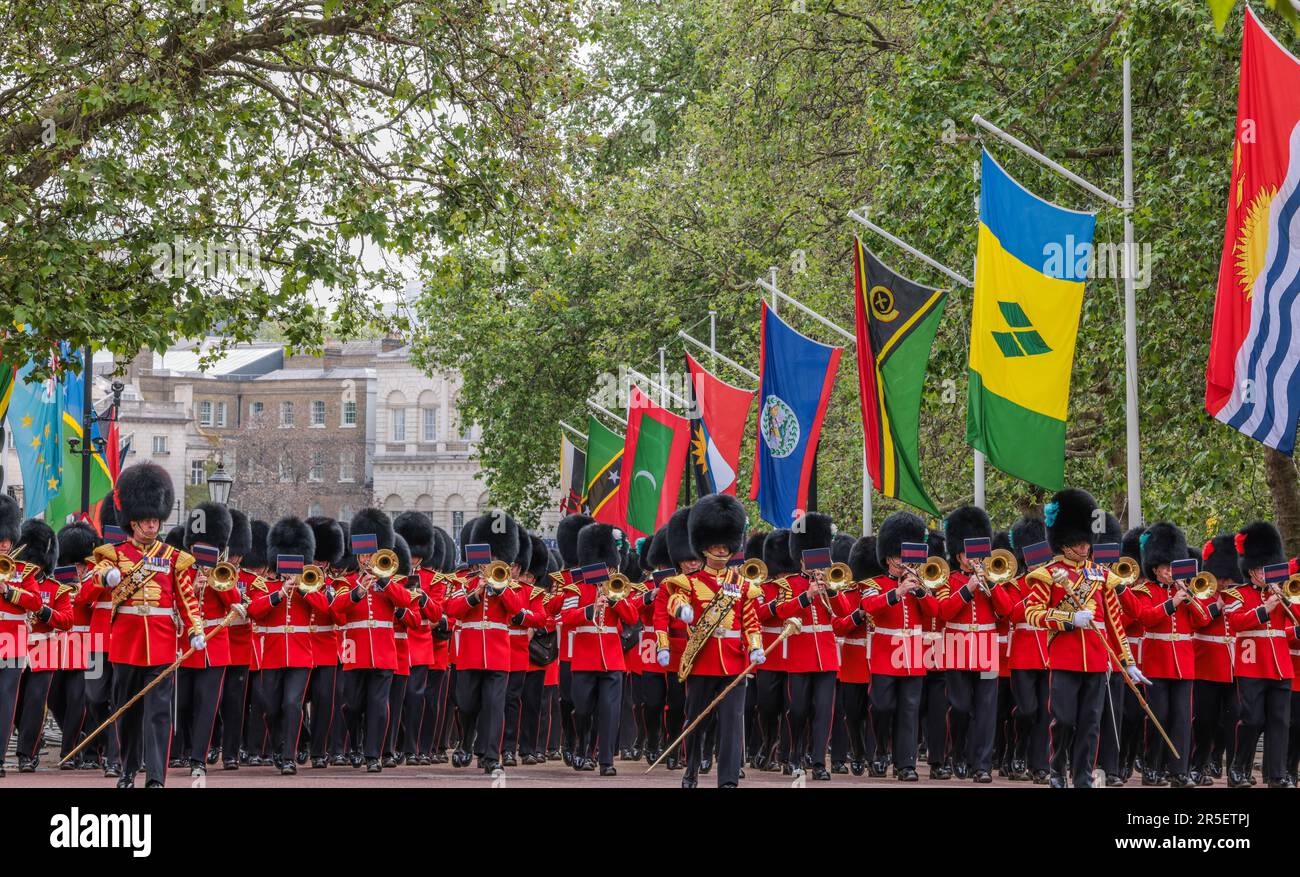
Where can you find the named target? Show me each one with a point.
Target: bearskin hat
(11, 519)
(499, 531)
(677, 537)
(144, 491)
(1162, 543)
(176, 537)
(597, 544)
(657, 554)
(776, 554)
(965, 522)
(1219, 557)
(1025, 532)
(938, 544)
(1131, 544)
(255, 557)
(348, 562)
(107, 512)
(716, 519)
(810, 530)
(376, 521)
(39, 545)
(329, 540)
(1113, 531)
(754, 544)
(566, 536)
(541, 560)
(1258, 544)
(630, 566)
(557, 562)
(77, 541)
(290, 535)
(863, 561)
(898, 528)
(241, 534)
(417, 530)
(841, 547)
(448, 557)
(465, 530)
(1001, 539)
(403, 551)
(643, 553)
(1069, 518)
(209, 523)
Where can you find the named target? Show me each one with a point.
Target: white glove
(112, 576)
(756, 656)
(686, 614)
(1083, 618)
(241, 610)
(1136, 675)
(198, 643)
(663, 656)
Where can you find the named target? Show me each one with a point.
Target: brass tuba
(1000, 567)
(311, 579)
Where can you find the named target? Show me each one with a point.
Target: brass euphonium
(1000, 567)
(224, 576)
(311, 579)
(616, 587)
(754, 571)
(383, 564)
(1203, 585)
(839, 576)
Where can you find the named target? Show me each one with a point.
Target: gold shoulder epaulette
(537, 592)
(1233, 593)
(258, 584)
(106, 552)
(1142, 588)
(184, 560)
(1041, 575)
(754, 592)
(573, 587)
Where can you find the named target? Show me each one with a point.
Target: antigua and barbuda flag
(795, 378)
(1252, 379)
(718, 415)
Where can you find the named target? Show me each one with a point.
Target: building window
(430, 423)
(345, 466)
(457, 521)
(349, 413)
(317, 413)
(316, 510)
(205, 413)
(221, 414)
(197, 473)
(286, 414)
(317, 471)
(399, 425)
(345, 513)
(255, 409)
(160, 444)
(286, 470)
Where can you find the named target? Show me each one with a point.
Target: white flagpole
(728, 360)
(664, 392)
(1134, 452)
(578, 433)
(601, 409)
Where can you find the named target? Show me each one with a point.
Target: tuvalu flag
(1252, 376)
(718, 415)
(1031, 262)
(896, 323)
(654, 456)
(604, 472)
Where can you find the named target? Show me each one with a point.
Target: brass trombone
(496, 575)
(383, 564)
(839, 577)
(616, 587)
(933, 573)
(1000, 567)
(224, 576)
(9, 565)
(753, 571)
(311, 579)
(1203, 585)
(1125, 572)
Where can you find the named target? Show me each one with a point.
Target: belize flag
(1252, 379)
(795, 378)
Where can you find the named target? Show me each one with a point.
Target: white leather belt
(369, 623)
(728, 634)
(772, 630)
(483, 625)
(971, 628)
(322, 628)
(1264, 632)
(1167, 637)
(1295, 653)
(855, 641)
(1208, 638)
(889, 631)
(515, 631)
(399, 636)
(1020, 625)
(1003, 640)
(287, 628)
(213, 622)
(38, 637)
(816, 628)
(151, 611)
(80, 628)
(106, 604)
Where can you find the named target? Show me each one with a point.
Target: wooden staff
(791, 627)
(225, 622)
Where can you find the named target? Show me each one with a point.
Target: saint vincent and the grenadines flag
(654, 456)
(896, 323)
(604, 471)
(1252, 377)
(719, 413)
(1030, 266)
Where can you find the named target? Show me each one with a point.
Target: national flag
(573, 469)
(1106, 552)
(7, 372)
(289, 565)
(364, 543)
(35, 424)
(604, 471)
(478, 553)
(718, 415)
(816, 558)
(207, 555)
(796, 375)
(654, 456)
(1038, 554)
(978, 548)
(1252, 377)
(594, 573)
(896, 323)
(66, 505)
(914, 552)
(1181, 570)
(1030, 266)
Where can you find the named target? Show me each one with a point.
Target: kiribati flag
(795, 378)
(1252, 379)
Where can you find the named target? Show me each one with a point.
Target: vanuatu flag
(718, 415)
(1030, 265)
(896, 322)
(67, 505)
(604, 469)
(654, 456)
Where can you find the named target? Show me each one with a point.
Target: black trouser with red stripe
(973, 712)
(1030, 690)
(1213, 703)
(1076, 703)
(68, 700)
(598, 697)
(144, 730)
(413, 709)
(1171, 701)
(321, 698)
(367, 695)
(198, 697)
(99, 696)
(513, 710)
(730, 713)
(31, 711)
(481, 699)
(896, 714)
(810, 700)
(432, 734)
(531, 725)
(396, 702)
(283, 693)
(857, 744)
(1265, 709)
(771, 713)
(234, 703)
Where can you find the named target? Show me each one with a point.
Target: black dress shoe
(1056, 781)
(373, 765)
(126, 783)
(758, 761)
(839, 767)
(491, 767)
(588, 764)
(858, 768)
(288, 768)
(230, 764)
(1216, 771)
(153, 784)
(1040, 778)
(390, 761)
(113, 770)
(673, 762)
(877, 768)
(1151, 778)
(339, 760)
(608, 770)
(509, 760)
(320, 762)
(198, 769)
(1285, 782)
(1114, 780)
(26, 765)
(689, 781)
(302, 756)
(176, 762)
(1182, 781)
(819, 772)
(982, 776)
(727, 786)
(213, 755)
(940, 772)
(908, 775)
(706, 765)
(439, 758)
(568, 758)
(70, 765)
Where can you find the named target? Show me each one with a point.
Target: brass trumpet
(754, 571)
(224, 576)
(1203, 585)
(1000, 567)
(496, 575)
(383, 564)
(311, 579)
(616, 587)
(839, 577)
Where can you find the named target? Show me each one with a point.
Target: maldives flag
(719, 412)
(654, 455)
(1252, 378)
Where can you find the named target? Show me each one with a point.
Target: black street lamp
(219, 483)
(88, 446)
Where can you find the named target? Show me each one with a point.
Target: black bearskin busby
(208, 523)
(811, 530)
(965, 522)
(417, 530)
(938, 544)
(524, 557)
(566, 537)
(77, 541)
(841, 547)
(1113, 531)
(255, 558)
(776, 554)
(348, 562)
(465, 529)
(39, 545)
(1070, 518)
(754, 544)
(677, 538)
(898, 528)
(657, 554)
(540, 564)
(716, 519)
(643, 553)
(499, 531)
(448, 550)
(1219, 557)
(1258, 545)
(1162, 543)
(176, 537)
(241, 534)
(372, 521)
(1025, 532)
(863, 560)
(144, 491)
(290, 535)
(11, 519)
(329, 540)
(597, 544)
(107, 511)
(1131, 544)
(403, 551)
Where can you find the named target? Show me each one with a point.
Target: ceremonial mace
(790, 628)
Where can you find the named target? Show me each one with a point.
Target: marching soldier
(17, 598)
(674, 552)
(76, 543)
(539, 626)
(852, 629)
(770, 678)
(426, 556)
(40, 548)
(519, 632)
(251, 717)
(724, 635)
(654, 688)
(407, 620)
(1214, 693)
(1070, 597)
(436, 719)
(104, 752)
(148, 581)
(322, 684)
(566, 538)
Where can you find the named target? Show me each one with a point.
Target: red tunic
(1028, 647)
(970, 630)
(1048, 604)
(1213, 642)
(75, 643)
(483, 632)
(285, 624)
(533, 617)
(1168, 650)
(420, 638)
(896, 646)
(144, 630)
(813, 648)
(368, 641)
(595, 642)
(93, 598)
(1260, 649)
(852, 630)
(726, 651)
(215, 607)
(775, 592)
(46, 635)
(24, 598)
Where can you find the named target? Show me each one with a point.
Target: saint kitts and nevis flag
(796, 375)
(896, 323)
(719, 412)
(1252, 377)
(654, 457)
(604, 471)
(1031, 262)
